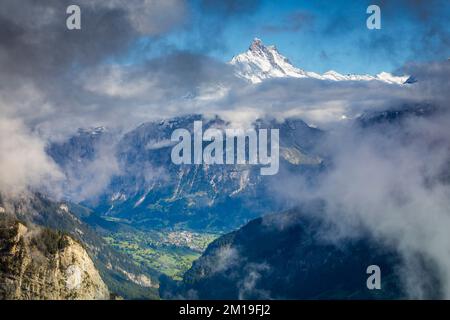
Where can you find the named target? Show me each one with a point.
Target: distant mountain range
(150, 191)
(262, 62)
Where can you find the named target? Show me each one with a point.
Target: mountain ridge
(262, 62)
(152, 190)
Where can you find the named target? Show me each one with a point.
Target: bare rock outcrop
(38, 263)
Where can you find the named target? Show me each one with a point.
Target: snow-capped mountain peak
(262, 62)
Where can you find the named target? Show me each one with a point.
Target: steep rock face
(116, 269)
(38, 263)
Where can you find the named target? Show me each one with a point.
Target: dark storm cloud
(36, 42)
(41, 61)
(42, 45)
(119, 96)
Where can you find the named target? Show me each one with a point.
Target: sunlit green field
(169, 252)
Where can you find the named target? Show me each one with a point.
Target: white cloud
(24, 165)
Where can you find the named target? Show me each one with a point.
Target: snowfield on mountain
(262, 62)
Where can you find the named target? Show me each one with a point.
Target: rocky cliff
(38, 263)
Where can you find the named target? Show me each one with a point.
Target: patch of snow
(141, 199)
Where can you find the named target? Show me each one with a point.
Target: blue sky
(320, 35)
